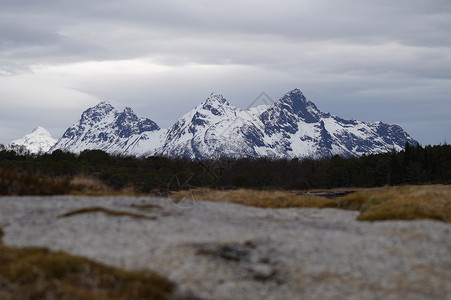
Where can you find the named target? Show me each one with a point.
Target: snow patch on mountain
(38, 141)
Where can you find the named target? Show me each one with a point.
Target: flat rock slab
(219, 250)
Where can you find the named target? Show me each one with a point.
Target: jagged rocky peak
(286, 113)
(218, 105)
(104, 127)
(126, 117)
(104, 105)
(146, 124)
(128, 123)
(296, 103)
(214, 109)
(98, 112)
(216, 98)
(129, 111)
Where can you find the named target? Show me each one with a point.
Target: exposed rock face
(104, 127)
(215, 250)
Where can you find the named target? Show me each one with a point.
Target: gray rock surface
(218, 250)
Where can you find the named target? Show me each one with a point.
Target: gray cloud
(371, 60)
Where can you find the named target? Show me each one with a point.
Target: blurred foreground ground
(219, 250)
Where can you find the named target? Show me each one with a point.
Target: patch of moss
(38, 273)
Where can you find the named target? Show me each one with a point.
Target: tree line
(413, 165)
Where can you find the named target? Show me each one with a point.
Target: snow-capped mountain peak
(214, 97)
(285, 114)
(295, 103)
(38, 141)
(217, 105)
(104, 127)
(98, 112)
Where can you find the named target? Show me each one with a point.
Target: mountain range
(292, 127)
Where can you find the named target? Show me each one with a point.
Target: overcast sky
(372, 60)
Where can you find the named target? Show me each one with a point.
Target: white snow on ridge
(304, 140)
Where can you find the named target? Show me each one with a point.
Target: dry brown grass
(13, 182)
(405, 203)
(85, 185)
(263, 199)
(397, 203)
(38, 273)
(91, 186)
(106, 211)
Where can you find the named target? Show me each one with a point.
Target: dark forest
(413, 165)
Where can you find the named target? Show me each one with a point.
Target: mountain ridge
(292, 127)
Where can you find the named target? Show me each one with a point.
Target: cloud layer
(370, 60)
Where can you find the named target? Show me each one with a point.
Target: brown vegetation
(38, 273)
(406, 203)
(87, 185)
(106, 211)
(13, 182)
(257, 198)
